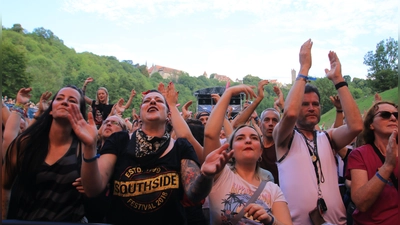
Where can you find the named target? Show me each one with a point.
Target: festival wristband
(92, 159)
(383, 179)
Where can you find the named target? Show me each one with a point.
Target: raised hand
(247, 89)
(305, 57)
(185, 109)
(335, 73)
(170, 94)
(260, 88)
(392, 150)
(215, 97)
(88, 80)
(23, 96)
(279, 101)
(215, 161)
(336, 101)
(119, 107)
(133, 93)
(44, 101)
(85, 131)
(377, 98)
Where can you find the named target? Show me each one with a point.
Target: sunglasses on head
(387, 114)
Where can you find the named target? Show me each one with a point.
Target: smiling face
(153, 108)
(246, 144)
(102, 96)
(62, 100)
(310, 111)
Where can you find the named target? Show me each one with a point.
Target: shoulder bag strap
(253, 198)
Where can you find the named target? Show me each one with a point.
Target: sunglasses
(387, 114)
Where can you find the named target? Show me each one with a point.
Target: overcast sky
(228, 37)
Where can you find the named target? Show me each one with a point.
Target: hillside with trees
(39, 59)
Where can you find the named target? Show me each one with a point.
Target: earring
(259, 159)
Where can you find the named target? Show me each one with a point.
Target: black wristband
(339, 110)
(341, 84)
(92, 159)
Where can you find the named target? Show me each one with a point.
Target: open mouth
(152, 109)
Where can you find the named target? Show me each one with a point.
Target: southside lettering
(146, 186)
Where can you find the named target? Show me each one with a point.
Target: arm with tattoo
(197, 186)
(198, 182)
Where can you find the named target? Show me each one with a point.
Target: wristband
(341, 84)
(272, 219)
(305, 78)
(92, 159)
(339, 110)
(383, 179)
(17, 108)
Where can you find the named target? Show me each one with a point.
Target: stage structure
(205, 102)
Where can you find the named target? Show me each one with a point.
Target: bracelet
(383, 179)
(92, 159)
(272, 219)
(339, 110)
(341, 84)
(304, 77)
(18, 109)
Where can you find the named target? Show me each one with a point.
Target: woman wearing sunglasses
(373, 168)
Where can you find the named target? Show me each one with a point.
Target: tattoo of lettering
(196, 186)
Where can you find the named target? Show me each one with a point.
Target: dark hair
(168, 127)
(154, 90)
(310, 88)
(203, 113)
(32, 144)
(197, 129)
(232, 138)
(368, 134)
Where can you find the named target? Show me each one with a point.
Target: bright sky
(228, 37)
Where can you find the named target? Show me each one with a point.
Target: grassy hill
(363, 104)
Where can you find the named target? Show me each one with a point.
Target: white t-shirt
(230, 194)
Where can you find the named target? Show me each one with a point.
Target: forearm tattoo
(197, 186)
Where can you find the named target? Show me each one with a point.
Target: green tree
(347, 78)
(14, 75)
(326, 89)
(143, 70)
(383, 65)
(17, 28)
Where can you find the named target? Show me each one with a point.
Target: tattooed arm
(196, 181)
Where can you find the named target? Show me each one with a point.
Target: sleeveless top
(52, 197)
(298, 181)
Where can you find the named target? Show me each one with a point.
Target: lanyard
(313, 150)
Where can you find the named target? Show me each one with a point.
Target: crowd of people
(165, 166)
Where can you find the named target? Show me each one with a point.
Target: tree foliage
(42, 61)
(14, 74)
(383, 65)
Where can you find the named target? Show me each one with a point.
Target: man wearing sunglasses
(373, 167)
(306, 157)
